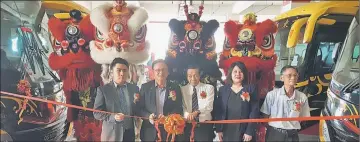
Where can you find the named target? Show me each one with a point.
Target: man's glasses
(291, 75)
(159, 70)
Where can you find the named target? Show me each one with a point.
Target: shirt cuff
(186, 114)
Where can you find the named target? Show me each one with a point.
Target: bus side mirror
(336, 52)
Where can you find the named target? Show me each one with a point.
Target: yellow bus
(307, 38)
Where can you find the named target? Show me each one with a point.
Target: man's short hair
(288, 67)
(193, 66)
(119, 61)
(158, 61)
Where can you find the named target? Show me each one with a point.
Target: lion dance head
(192, 42)
(72, 60)
(120, 32)
(72, 53)
(253, 44)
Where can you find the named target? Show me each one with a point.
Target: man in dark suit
(119, 97)
(159, 98)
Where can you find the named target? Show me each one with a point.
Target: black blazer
(250, 109)
(147, 106)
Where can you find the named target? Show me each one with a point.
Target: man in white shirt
(198, 101)
(285, 102)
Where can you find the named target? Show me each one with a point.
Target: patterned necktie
(123, 103)
(195, 105)
(125, 108)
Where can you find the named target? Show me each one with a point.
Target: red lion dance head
(253, 44)
(120, 32)
(72, 57)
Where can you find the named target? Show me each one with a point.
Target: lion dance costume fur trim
(120, 32)
(192, 42)
(79, 73)
(253, 44)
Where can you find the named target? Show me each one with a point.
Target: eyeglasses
(159, 70)
(291, 75)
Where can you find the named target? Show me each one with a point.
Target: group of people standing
(195, 102)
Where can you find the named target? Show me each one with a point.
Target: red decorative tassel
(158, 131)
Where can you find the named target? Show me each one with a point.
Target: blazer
(108, 100)
(147, 106)
(250, 110)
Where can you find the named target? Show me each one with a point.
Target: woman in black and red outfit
(237, 100)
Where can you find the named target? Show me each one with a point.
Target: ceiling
(159, 11)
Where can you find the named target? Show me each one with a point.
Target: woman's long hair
(243, 69)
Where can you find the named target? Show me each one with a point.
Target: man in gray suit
(159, 98)
(119, 97)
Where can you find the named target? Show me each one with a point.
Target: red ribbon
(157, 129)
(192, 131)
(355, 129)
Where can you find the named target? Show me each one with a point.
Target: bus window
(323, 61)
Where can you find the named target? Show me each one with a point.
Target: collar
(156, 85)
(197, 86)
(117, 85)
(282, 91)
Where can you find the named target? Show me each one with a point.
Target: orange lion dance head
(253, 44)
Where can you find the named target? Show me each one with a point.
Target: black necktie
(195, 105)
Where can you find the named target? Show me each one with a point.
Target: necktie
(195, 105)
(123, 103)
(125, 108)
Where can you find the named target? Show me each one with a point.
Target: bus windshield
(347, 66)
(25, 57)
(287, 56)
(314, 57)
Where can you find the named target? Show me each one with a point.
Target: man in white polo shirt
(198, 99)
(285, 102)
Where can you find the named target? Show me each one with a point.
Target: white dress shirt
(278, 105)
(205, 104)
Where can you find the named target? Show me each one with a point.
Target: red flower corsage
(298, 106)
(172, 95)
(203, 95)
(245, 96)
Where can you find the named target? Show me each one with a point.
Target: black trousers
(281, 135)
(202, 132)
(129, 135)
